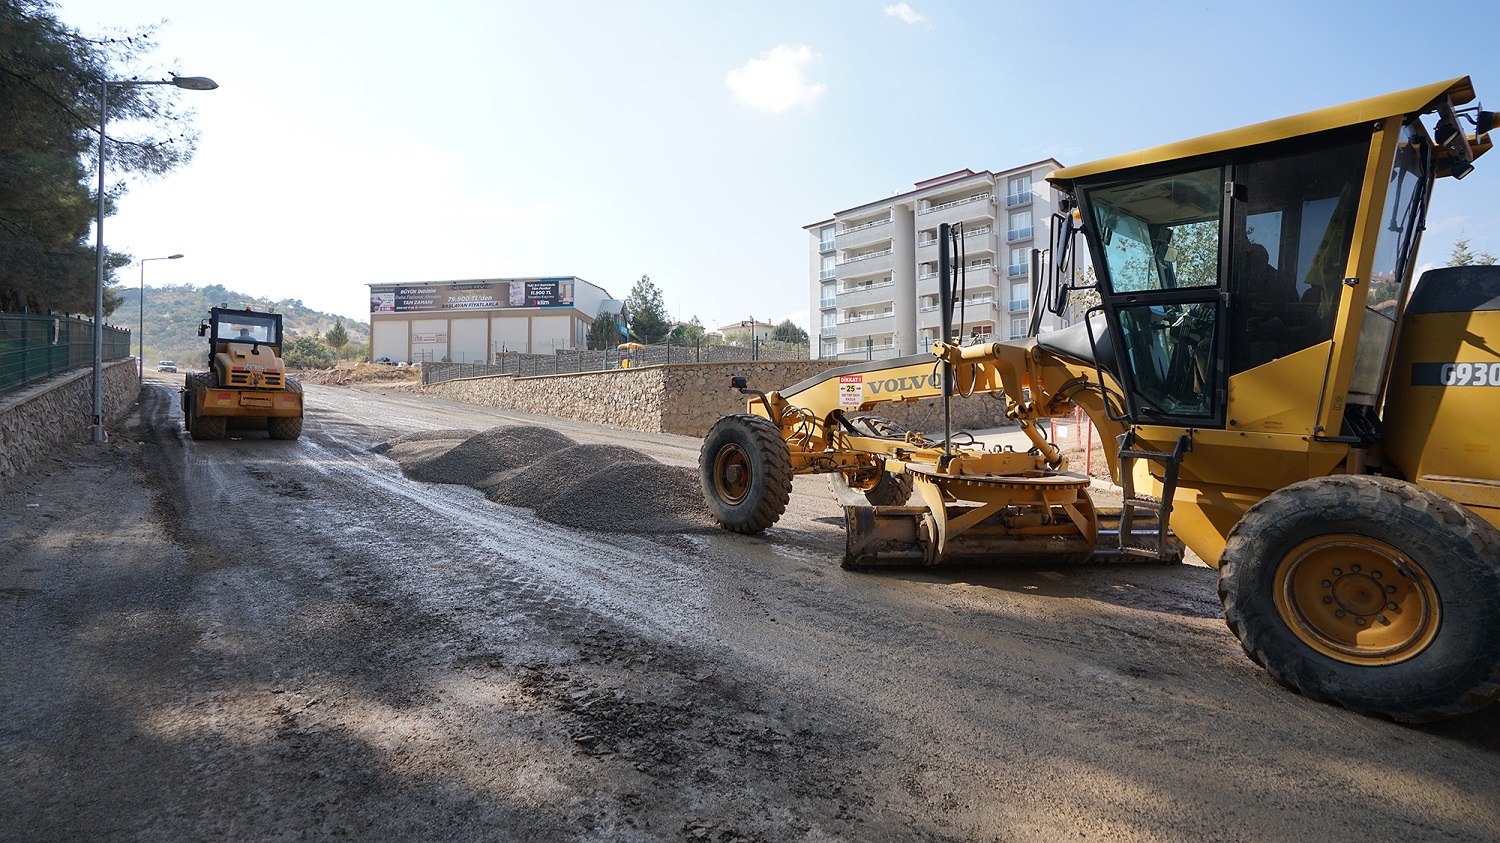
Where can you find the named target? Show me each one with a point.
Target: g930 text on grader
(1286, 401)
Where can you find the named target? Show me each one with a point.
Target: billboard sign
(544, 292)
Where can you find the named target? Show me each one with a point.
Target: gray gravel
(481, 460)
(639, 497)
(594, 487)
(457, 435)
(543, 480)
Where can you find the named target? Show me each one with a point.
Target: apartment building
(875, 266)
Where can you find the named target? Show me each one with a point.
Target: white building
(471, 321)
(745, 329)
(874, 267)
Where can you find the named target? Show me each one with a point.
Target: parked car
(166, 366)
(384, 361)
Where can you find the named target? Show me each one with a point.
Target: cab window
(1161, 234)
(1293, 223)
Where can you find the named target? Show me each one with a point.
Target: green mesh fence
(35, 347)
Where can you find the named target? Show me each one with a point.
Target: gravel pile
(405, 453)
(482, 459)
(609, 488)
(538, 483)
(459, 434)
(633, 497)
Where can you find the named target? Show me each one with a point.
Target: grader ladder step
(1132, 543)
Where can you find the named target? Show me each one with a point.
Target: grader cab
(246, 385)
(1280, 396)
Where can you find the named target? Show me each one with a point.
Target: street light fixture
(191, 83)
(140, 334)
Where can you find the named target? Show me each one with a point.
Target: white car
(166, 366)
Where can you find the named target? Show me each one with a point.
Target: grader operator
(1286, 401)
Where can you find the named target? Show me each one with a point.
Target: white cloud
(777, 81)
(905, 13)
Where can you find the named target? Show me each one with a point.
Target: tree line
(647, 322)
(50, 87)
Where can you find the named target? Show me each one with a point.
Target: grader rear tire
(286, 428)
(745, 470)
(1368, 592)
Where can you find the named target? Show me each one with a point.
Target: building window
(825, 239)
(1020, 226)
(1018, 191)
(1017, 328)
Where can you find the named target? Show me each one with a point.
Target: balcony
(860, 288)
(825, 274)
(866, 234)
(869, 263)
(1018, 234)
(979, 207)
(868, 352)
(826, 246)
(1017, 271)
(868, 317)
(868, 294)
(1017, 200)
(1018, 305)
(827, 330)
(828, 302)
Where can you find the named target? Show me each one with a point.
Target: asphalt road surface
(264, 640)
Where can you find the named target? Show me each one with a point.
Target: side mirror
(203, 329)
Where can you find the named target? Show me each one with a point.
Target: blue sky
(378, 142)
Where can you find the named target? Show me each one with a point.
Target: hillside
(173, 314)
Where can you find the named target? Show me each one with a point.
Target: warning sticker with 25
(851, 390)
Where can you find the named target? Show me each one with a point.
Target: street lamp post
(140, 334)
(191, 83)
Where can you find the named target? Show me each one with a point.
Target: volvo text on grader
(246, 384)
(1286, 402)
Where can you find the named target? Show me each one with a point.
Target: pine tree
(337, 337)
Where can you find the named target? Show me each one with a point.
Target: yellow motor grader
(1285, 400)
(246, 384)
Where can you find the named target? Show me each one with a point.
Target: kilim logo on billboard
(541, 292)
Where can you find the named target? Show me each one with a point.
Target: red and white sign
(851, 390)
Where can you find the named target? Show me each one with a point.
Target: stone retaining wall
(684, 399)
(35, 420)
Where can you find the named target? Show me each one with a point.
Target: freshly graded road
(264, 640)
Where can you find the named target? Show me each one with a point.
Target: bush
(307, 353)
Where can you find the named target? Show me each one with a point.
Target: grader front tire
(745, 471)
(1368, 592)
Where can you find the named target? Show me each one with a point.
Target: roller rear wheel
(202, 428)
(286, 428)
